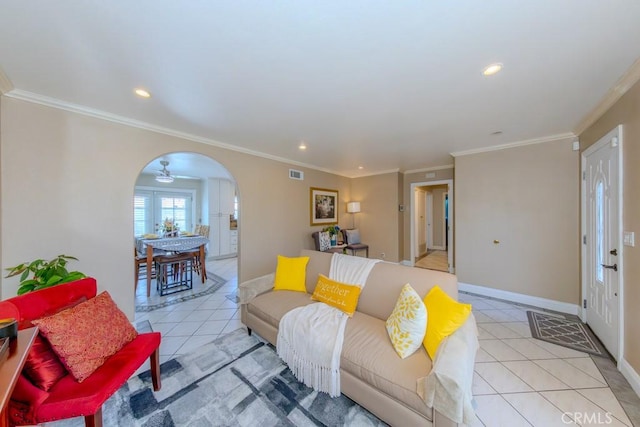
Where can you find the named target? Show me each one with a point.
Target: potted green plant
(333, 231)
(45, 273)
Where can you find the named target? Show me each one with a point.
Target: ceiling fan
(164, 176)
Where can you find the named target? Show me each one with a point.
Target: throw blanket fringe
(310, 338)
(314, 361)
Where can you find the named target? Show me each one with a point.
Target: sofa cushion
(271, 306)
(408, 323)
(445, 316)
(342, 296)
(86, 335)
(368, 354)
(290, 274)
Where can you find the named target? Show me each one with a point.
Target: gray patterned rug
(236, 380)
(567, 332)
(212, 284)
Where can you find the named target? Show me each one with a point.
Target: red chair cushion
(84, 336)
(68, 398)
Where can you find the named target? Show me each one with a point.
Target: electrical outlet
(382, 255)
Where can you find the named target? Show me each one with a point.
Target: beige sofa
(372, 374)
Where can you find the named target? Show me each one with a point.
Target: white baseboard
(438, 248)
(406, 262)
(563, 307)
(631, 375)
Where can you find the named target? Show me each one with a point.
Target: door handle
(613, 267)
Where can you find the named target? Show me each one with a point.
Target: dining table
(171, 244)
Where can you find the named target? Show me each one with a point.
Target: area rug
(211, 285)
(567, 332)
(236, 380)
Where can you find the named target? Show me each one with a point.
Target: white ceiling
(387, 85)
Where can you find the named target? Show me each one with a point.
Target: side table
(11, 367)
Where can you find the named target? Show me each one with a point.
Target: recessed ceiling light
(302, 146)
(360, 167)
(492, 69)
(142, 93)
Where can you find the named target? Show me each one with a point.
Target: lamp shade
(353, 207)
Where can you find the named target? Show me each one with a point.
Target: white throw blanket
(310, 338)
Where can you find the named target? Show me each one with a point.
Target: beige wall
(626, 112)
(407, 180)
(527, 198)
(67, 187)
(378, 219)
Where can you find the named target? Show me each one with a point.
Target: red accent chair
(68, 398)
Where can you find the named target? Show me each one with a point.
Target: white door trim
(617, 131)
(414, 186)
(429, 219)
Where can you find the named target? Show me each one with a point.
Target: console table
(11, 367)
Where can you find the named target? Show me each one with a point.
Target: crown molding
(5, 83)
(631, 77)
(542, 140)
(98, 114)
(374, 173)
(431, 169)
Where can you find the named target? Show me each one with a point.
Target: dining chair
(140, 265)
(201, 230)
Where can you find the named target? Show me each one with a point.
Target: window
(151, 208)
(599, 231)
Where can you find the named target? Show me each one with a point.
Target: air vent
(294, 174)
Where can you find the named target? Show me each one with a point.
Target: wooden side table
(11, 368)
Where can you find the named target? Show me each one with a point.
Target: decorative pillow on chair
(42, 366)
(86, 335)
(353, 236)
(407, 324)
(342, 296)
(446, 315)
(291, 274)
(325, 240)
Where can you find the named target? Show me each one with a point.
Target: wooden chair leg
(94, 420)
(155, 369)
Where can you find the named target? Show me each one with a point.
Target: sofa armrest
(447, 388)
(252, 288)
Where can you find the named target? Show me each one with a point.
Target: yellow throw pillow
(291, 274)
(339, 295)
(408, 322)
(446, 315)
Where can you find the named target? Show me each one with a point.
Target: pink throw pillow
(85, 336)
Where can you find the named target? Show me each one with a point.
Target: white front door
(602, 247)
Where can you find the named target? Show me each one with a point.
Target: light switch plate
(629, 238)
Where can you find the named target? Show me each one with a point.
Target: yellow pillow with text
(291, 274)
(445, 316)
(339, 295)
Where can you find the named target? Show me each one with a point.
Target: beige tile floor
(518, 380)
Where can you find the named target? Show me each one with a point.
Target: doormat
(570, 333)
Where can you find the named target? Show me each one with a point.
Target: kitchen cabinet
(217, 208)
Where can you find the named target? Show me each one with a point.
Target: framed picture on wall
(324, 206)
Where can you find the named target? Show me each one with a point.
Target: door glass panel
(599, 231)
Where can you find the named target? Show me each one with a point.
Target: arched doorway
(188, 190)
